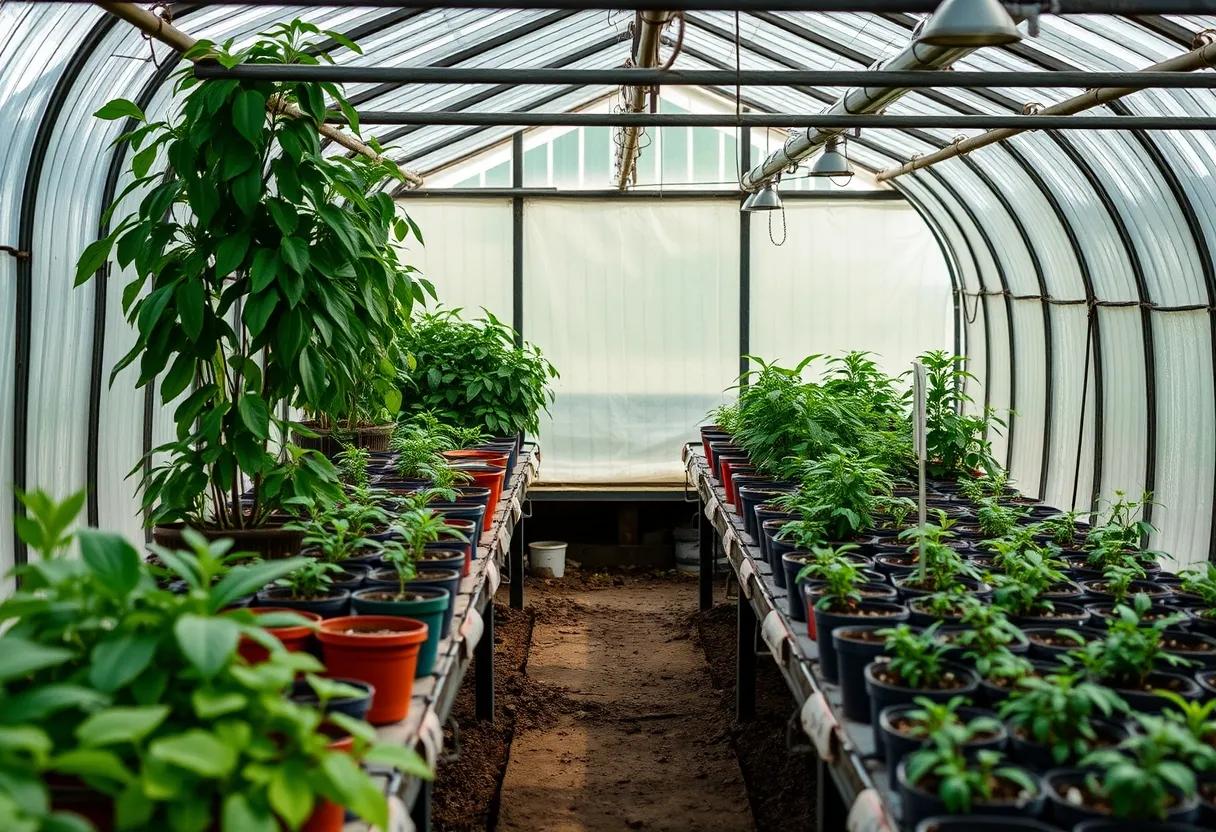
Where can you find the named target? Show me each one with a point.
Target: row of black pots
(988, 823)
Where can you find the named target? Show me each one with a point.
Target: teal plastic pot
(428, 605)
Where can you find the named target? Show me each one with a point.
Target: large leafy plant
(1132, 647)
(840, 491)
(1147, 774)
(141, 693)
(472, 374)
(264, 278)
(957, 443)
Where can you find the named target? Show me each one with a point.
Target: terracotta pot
(269, 542)
(295, 639)
(484, 475)
(354, 647)
(327, 816)
(467, 455)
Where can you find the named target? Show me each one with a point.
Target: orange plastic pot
(381, 650)
(470, 455)
(485, 475)
(295, 639)
(329, 816)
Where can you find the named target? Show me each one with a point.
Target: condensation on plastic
(637, 303)
(829, 289)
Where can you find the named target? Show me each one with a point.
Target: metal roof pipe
(1203, 56)
(857, 101)
(645, 54)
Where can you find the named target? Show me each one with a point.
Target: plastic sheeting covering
(637, 303)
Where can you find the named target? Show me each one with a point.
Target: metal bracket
(15, 252)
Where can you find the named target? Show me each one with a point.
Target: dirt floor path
(619, 726)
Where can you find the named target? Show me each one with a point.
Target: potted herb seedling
(1120, 580)
(1198, 721)
(1058, 720)
(269, 233)
(938, 566)
(1004, 671)
(309, 587)
(1063, 528)
(996, 519)
(957, 442)
(906, 728)
(803, 566)
(943, 779)
(915, 665)
(838, 603)
(1146, 778)
(1131, 654)
(1028, 589)
(946, 606)
(1199, 588)
(982, 634)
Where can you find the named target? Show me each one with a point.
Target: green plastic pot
(430, 607)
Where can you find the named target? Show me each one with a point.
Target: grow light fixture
(765, 199)
(832, 164)
(969, 23)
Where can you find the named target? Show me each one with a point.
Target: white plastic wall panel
(1186, 437)
(1074, 399)
(467, 252)
(1124, 412)
(1029, 421)
(828, 289)
(637, 305)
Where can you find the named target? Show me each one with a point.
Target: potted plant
(414, 566)
(907, 728)
(152, 716)
(915, 665)
(309, 587)
(1058, 720)
(956, 441)
(984, 634)
(1145, 779)
(1025, 590)
(996, 519)
(263, 234)
(943, 779)
(365, 417)
(1199, 587)
(839, 604)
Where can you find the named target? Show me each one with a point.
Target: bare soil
(614, 710)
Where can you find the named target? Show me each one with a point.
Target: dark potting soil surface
(614, 711)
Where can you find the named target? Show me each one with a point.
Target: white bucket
(547, 558)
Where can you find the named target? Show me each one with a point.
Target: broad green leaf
(290, 794)
(230, 253)
(209, 704)
(20, 657)
(132, 808)
(248, 578)
(265, 267)
(406, 760)
(196, 751)
(93, 257)
(111, 559)
(120, 108)
(91, 762)
(190, 307)
(241, 816)
(295, 253)
(312, 374)
(356, 789)
(255, 414)
(208, 643)
(120, 658)
(249, 115)
(40, 702)
(258, 310)
(119, 725)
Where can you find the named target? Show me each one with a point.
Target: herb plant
(957, 443)
(963, 780)
(1131, 648)
(931, 719)
(250, 215)
(312, 579)
(918, 659)
(1058, 711)
(1144, 777)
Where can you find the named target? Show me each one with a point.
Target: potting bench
(852, 784)
(471, 641)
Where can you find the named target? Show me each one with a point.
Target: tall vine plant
(264, 277)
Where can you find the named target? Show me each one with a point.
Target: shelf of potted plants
(1071, 653)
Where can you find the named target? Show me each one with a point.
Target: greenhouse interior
(639, 414)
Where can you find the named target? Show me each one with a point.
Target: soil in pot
(1071, 801)
(856, 647)
(1145, 698)
(910, 586)
(1101, 614)
(791, 564)
(1198, 649)
(429, 605)
(993, 692)
(296, 639)
(1100, 590)
(1038, 757)
(381, 650)
(1048, 644)
(1061, 614)
(900, 737)
(865, 612)
(433, 559)
(332, 605)
(1008, 799)
(886, 688)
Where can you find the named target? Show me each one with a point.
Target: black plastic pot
(748, 497)
(1051, 652)
(464, 510)
(991, 695)
(908, 592)
(897, 745)
(853, 652)
(1037, 756)
(1207, 681)
(791, 565)
(479, 496)
(883, 694)
(1203, 656)
(1058, 782)
(918, 804)
(1202, 620)
(355, 707)
(352, 576)
(826, 622)
(1138, 826)
(1063, 616)
(1097, 592)
(980, 823)
(445, 558)
(331, 607)
(1152, 703)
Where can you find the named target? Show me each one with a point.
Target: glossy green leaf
(207, 643)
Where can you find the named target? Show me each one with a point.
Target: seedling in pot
(1146, 777)
(1026, 579)
(1058, 712)
(1062, 528)
(1131, 649)
(997, 520)
(352, 464)
(841, 580)
(940, 566)
(949, 603)
(416, 528)
(313, 579)
(839, 489)
(1117, 580)
(1004, 668)
(962, 781)
(1198, 720)
(985, 635)
(917, 659)
(1202, 583)
(957, 442)
(929, 720)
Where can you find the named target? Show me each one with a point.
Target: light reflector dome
(765, 199)
(831, 163)
(970, 23)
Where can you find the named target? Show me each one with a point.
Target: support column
(745, 662)
(483, 667)
(516, 561)
(705, 543)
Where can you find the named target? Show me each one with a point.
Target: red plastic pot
(381, 650)
(485, 475)
(470, 455)
(728, 485)
(329, 816)
(295, 639)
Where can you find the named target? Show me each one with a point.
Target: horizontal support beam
(646, 192)
(788, 120)
(1122, 7)
(707, 77)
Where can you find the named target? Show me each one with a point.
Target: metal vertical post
(483, 667)
(517, 241)
(745, 260)
(705, 544)
(421, 813)
(745, 661)
(516, 556)
(830, 811)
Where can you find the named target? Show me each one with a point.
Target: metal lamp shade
(969, 23)
(765, 199)
(831, 164)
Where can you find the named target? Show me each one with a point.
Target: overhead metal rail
(913, 79)
(836, 122)
(1056, 7)
(1202, 57)
(647, 35)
